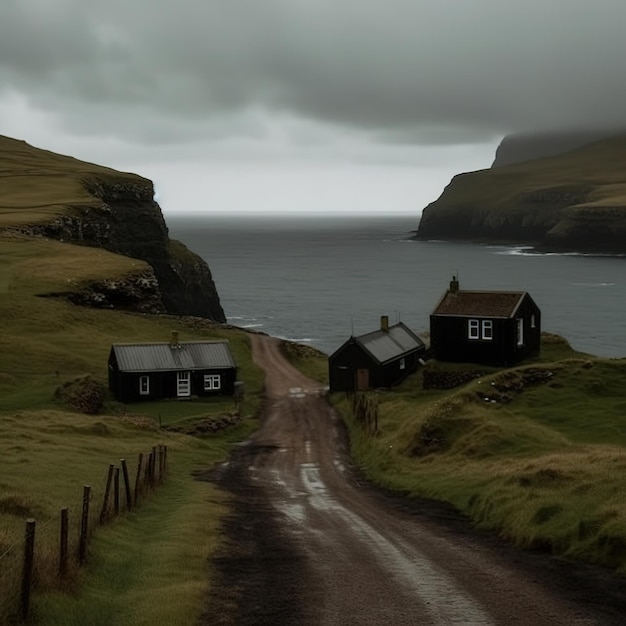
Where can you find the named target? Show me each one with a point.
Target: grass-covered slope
(59, 197)
(536, 453)
(574, 200)
(37, 185)
(152, 565)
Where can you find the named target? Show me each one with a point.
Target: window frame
(212, 382)
(521, 339)
(144, 385)
(480, 329)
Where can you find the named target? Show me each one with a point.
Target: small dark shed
(488, 327)
(152, 371)
(382, 358)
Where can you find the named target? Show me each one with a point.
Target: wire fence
(51, 552)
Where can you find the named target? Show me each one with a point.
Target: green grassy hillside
(37, 185)
(50, 451)
(536, 453)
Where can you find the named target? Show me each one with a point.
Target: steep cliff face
(573, 201)
(130, 222)
(108, 209)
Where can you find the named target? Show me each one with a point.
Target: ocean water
(317, 280)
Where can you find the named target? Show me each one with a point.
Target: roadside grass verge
(542, 463)
(152, 567)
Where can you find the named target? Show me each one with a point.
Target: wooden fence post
(150, 468)
(138, 477)
(63, 543)
(84, 523)
(154, 466)
(29, 552)
(107, 492)
(126, 483)
(116, 491)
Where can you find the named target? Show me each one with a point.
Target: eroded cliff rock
(112, 210)
(131, 223)
(138, 291)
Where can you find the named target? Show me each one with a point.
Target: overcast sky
(304, 105)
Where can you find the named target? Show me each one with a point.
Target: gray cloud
(405, 71)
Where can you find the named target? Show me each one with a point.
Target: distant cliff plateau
(43, 194)
(574, 200)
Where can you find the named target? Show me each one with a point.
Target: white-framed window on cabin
(402, 363)
(520, 331)
(144, 385)
(533, 321)
(480, 329)
(212, 382)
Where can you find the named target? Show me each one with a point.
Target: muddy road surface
(309, 543)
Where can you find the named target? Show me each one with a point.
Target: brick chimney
(384, 323)
(454, 285)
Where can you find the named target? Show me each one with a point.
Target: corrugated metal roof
(186, 355)
(385, 346)
(480, 303)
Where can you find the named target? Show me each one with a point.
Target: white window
(402, 363)
(212, 382)
(520, 331)
(144, 385)
(533, 321)
(480, 329)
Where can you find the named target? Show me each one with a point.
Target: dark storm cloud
(408, 71)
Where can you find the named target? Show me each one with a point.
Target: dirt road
(309, 543)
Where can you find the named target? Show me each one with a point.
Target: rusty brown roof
(480, 303)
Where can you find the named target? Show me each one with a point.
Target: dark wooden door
(362, 379)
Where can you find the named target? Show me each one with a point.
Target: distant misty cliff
(561, 191)
(520, 147)
(115, 211)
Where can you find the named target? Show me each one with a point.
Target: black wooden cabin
(153, 371)
(382, 358)
(486, 327)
